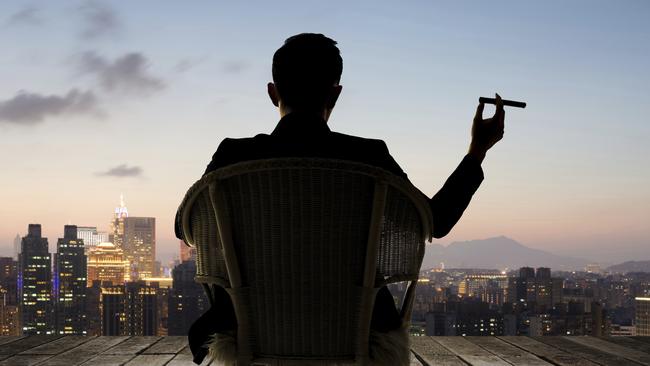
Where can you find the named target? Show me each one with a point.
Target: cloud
(127, 73)
(27, 15)
(31, 108)
(234, 67)
(100, 20)
(122, 171)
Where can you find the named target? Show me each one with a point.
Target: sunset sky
(103, 98)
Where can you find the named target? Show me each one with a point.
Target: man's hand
(486, 132)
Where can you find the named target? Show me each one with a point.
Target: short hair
(304, 69)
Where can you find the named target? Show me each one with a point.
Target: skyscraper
(113, 316)
(106, 263)
(642, 316)
(35, 283)
(9, 321)
(116, 234)
(91, 237)
(537, 288)
(141, 309)
(130, 310)
(187, 300)
(140, 245)
(70, 283)
(17, 241)
(9, 278)
(136, 236)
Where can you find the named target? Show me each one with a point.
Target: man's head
(306, 74)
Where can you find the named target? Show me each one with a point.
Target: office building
(35, 283)
(140, 245)
(9, 320)
(116, 234)
(642, 322)
(136, 236)
(187, 301)
(91, 237)
(535, 288)
(131, 310)
(70, 283)
(9, 279)
(17, 241)
(113, 314)
(106, 263)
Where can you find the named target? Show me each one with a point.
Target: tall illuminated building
(136, 236)
(113, 314)
(131, 310)
(70, 283)
(187, 300)
(9, 320)
(642, 322)
(140, 245)
(107, 263)
(91, 236)
(35, 283)
(116, 234)
(9, 278)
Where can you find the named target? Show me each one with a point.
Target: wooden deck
(173, 351)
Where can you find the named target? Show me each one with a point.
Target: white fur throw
(386, 349)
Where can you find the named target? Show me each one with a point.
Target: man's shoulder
(244, 142)
(377, 143)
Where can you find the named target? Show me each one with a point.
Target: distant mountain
(499, 253)
(630, 266)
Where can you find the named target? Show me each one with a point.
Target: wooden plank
(24, 360)
(612, 348)
(108, 360)
(25, 344)
(85, 351)
(555, 355)
(591, 354)
(428, 345)
(170, 344)
(9, 339)
(150, 360)
(57, 346)
(182, 360)
(471, 353)
(430, 352)
(630, 343)
(132, 346)
(639, 338)
(509, 353)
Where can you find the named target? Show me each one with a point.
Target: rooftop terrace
(173, 351)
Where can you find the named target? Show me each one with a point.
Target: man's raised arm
(453, 198)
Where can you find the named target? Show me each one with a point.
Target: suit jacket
(301, 135)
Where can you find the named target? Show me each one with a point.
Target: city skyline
(79, 294)
(104, 98)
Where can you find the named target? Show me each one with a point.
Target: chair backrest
(302, 245)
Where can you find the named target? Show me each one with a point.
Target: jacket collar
(296, 123)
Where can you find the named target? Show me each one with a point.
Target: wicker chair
(302, 245)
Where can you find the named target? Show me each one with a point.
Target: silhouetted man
(306, 74)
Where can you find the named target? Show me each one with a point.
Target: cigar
(509, 103)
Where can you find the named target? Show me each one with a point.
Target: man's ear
(273, 94)
(334, 96)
